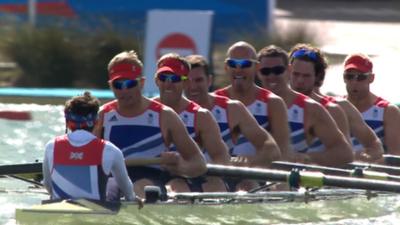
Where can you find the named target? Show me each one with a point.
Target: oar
(376, 167)
(24, 169)
(303, 178)
(33, 169)
(392, 160)
(360, 172)
(143, 161)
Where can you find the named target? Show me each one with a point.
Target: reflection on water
(24, 141)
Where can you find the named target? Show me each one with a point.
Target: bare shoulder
(334, 108)
(276, 102)
(314, 108)
(168, 116)
(204, 115)
(234, 105)
(393, 111)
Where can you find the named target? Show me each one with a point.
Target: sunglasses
(124, 84)
(276, 70)
(173, 78)
(303, 52)
(242, 63)
(358, 77)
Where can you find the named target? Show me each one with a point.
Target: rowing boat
(320, 204)
(219, 208)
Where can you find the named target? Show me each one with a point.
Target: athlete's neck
(134, 108)
(363, 104)
(245, 96)
(177, 105)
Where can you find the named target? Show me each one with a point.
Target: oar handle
(392, 160)
(142, 161)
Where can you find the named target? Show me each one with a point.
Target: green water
(23, 142)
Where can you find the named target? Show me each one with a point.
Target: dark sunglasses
(358, 77)
(276, 70)
(173, 78)
(242, 63)
(124, 84)
(303, 52)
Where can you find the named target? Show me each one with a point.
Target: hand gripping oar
(360, 172)
(298, 178)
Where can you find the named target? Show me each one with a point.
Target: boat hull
(204, 212)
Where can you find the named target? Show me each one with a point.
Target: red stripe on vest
(221, 101)
(89, 154)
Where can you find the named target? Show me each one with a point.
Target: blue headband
(75, 121)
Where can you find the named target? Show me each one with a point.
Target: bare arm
(391, 123)
(279, 124)
(340, 119)
(190, 161)
(337, 150)
(373, 148)
(210, 137)
(266, 148)
(118, 170)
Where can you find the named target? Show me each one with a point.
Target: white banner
(184, 32)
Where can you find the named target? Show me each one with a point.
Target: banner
(184, 32)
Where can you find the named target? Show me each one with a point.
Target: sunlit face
(198, 84)
(273, 74)
(241, 78)
(302, 76)
(357, 83)
(128, 95)
(170, 91)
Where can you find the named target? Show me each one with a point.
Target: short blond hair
(130, 57)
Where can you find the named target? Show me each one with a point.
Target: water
(23, 142)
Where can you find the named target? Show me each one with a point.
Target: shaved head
(243, 46)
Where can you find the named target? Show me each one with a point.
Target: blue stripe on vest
(144, 147)
(124, 135)
(77, 175)
(60, 192)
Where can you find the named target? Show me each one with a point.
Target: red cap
(172, 66)
(359, 62)
(124, 70)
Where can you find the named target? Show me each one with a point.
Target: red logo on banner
(178, 43)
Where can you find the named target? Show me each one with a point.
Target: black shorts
(159, 177)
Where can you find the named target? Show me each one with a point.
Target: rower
(77, 164)
(171, 78)
(366, 144)
(144, 128)
(382, 116)
(233, 119)
(315, 136)
(269, 110)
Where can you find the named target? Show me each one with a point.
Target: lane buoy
(15, 115)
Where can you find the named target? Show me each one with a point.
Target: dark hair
(197, 61)
(85, 107)
(320, 62)
(273, 51)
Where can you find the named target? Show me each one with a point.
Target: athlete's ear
(142, 81)
(209, 80)
(289, 71)
(371, 78)
(156, 81)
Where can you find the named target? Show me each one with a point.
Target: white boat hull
(274, 210)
